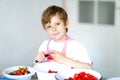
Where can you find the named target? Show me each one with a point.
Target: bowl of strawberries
(19, 72)
(78, 74)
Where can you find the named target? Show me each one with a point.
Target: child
(61, 48)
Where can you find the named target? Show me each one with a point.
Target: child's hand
(57, 56)
(40, 56)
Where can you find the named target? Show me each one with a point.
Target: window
(97, 12)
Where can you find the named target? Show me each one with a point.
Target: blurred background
(94, 23)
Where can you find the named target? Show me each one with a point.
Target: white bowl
(43, 68)
(18, 77)
(46, 66)
(45, 76)
(61, 75)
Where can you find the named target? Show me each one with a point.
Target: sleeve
(43, 46)
(78, 52)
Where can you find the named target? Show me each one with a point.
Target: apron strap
(49, 58)
(65, 46)
(48, 51)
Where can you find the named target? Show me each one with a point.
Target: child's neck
(62, 39)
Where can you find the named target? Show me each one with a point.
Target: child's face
(56, 28)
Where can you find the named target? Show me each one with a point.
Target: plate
(114, 78)
(61, 75)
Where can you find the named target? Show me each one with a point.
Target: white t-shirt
(74, 49)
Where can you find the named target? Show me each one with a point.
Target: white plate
(114, 78)
(61, 75)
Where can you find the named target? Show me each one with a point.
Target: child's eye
(48, 27)
(57, 23)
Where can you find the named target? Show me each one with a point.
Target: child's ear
(67, 23)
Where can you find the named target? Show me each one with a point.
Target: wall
(20, 30)
(102, 42)
(21, 34)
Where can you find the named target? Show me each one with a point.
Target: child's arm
(40, 57)
(58, 57)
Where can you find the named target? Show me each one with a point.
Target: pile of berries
(52, 71)
(20, 71)
(82, 76)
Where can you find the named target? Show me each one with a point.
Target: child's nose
(54, 28)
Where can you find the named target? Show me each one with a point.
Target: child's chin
(57, 38)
